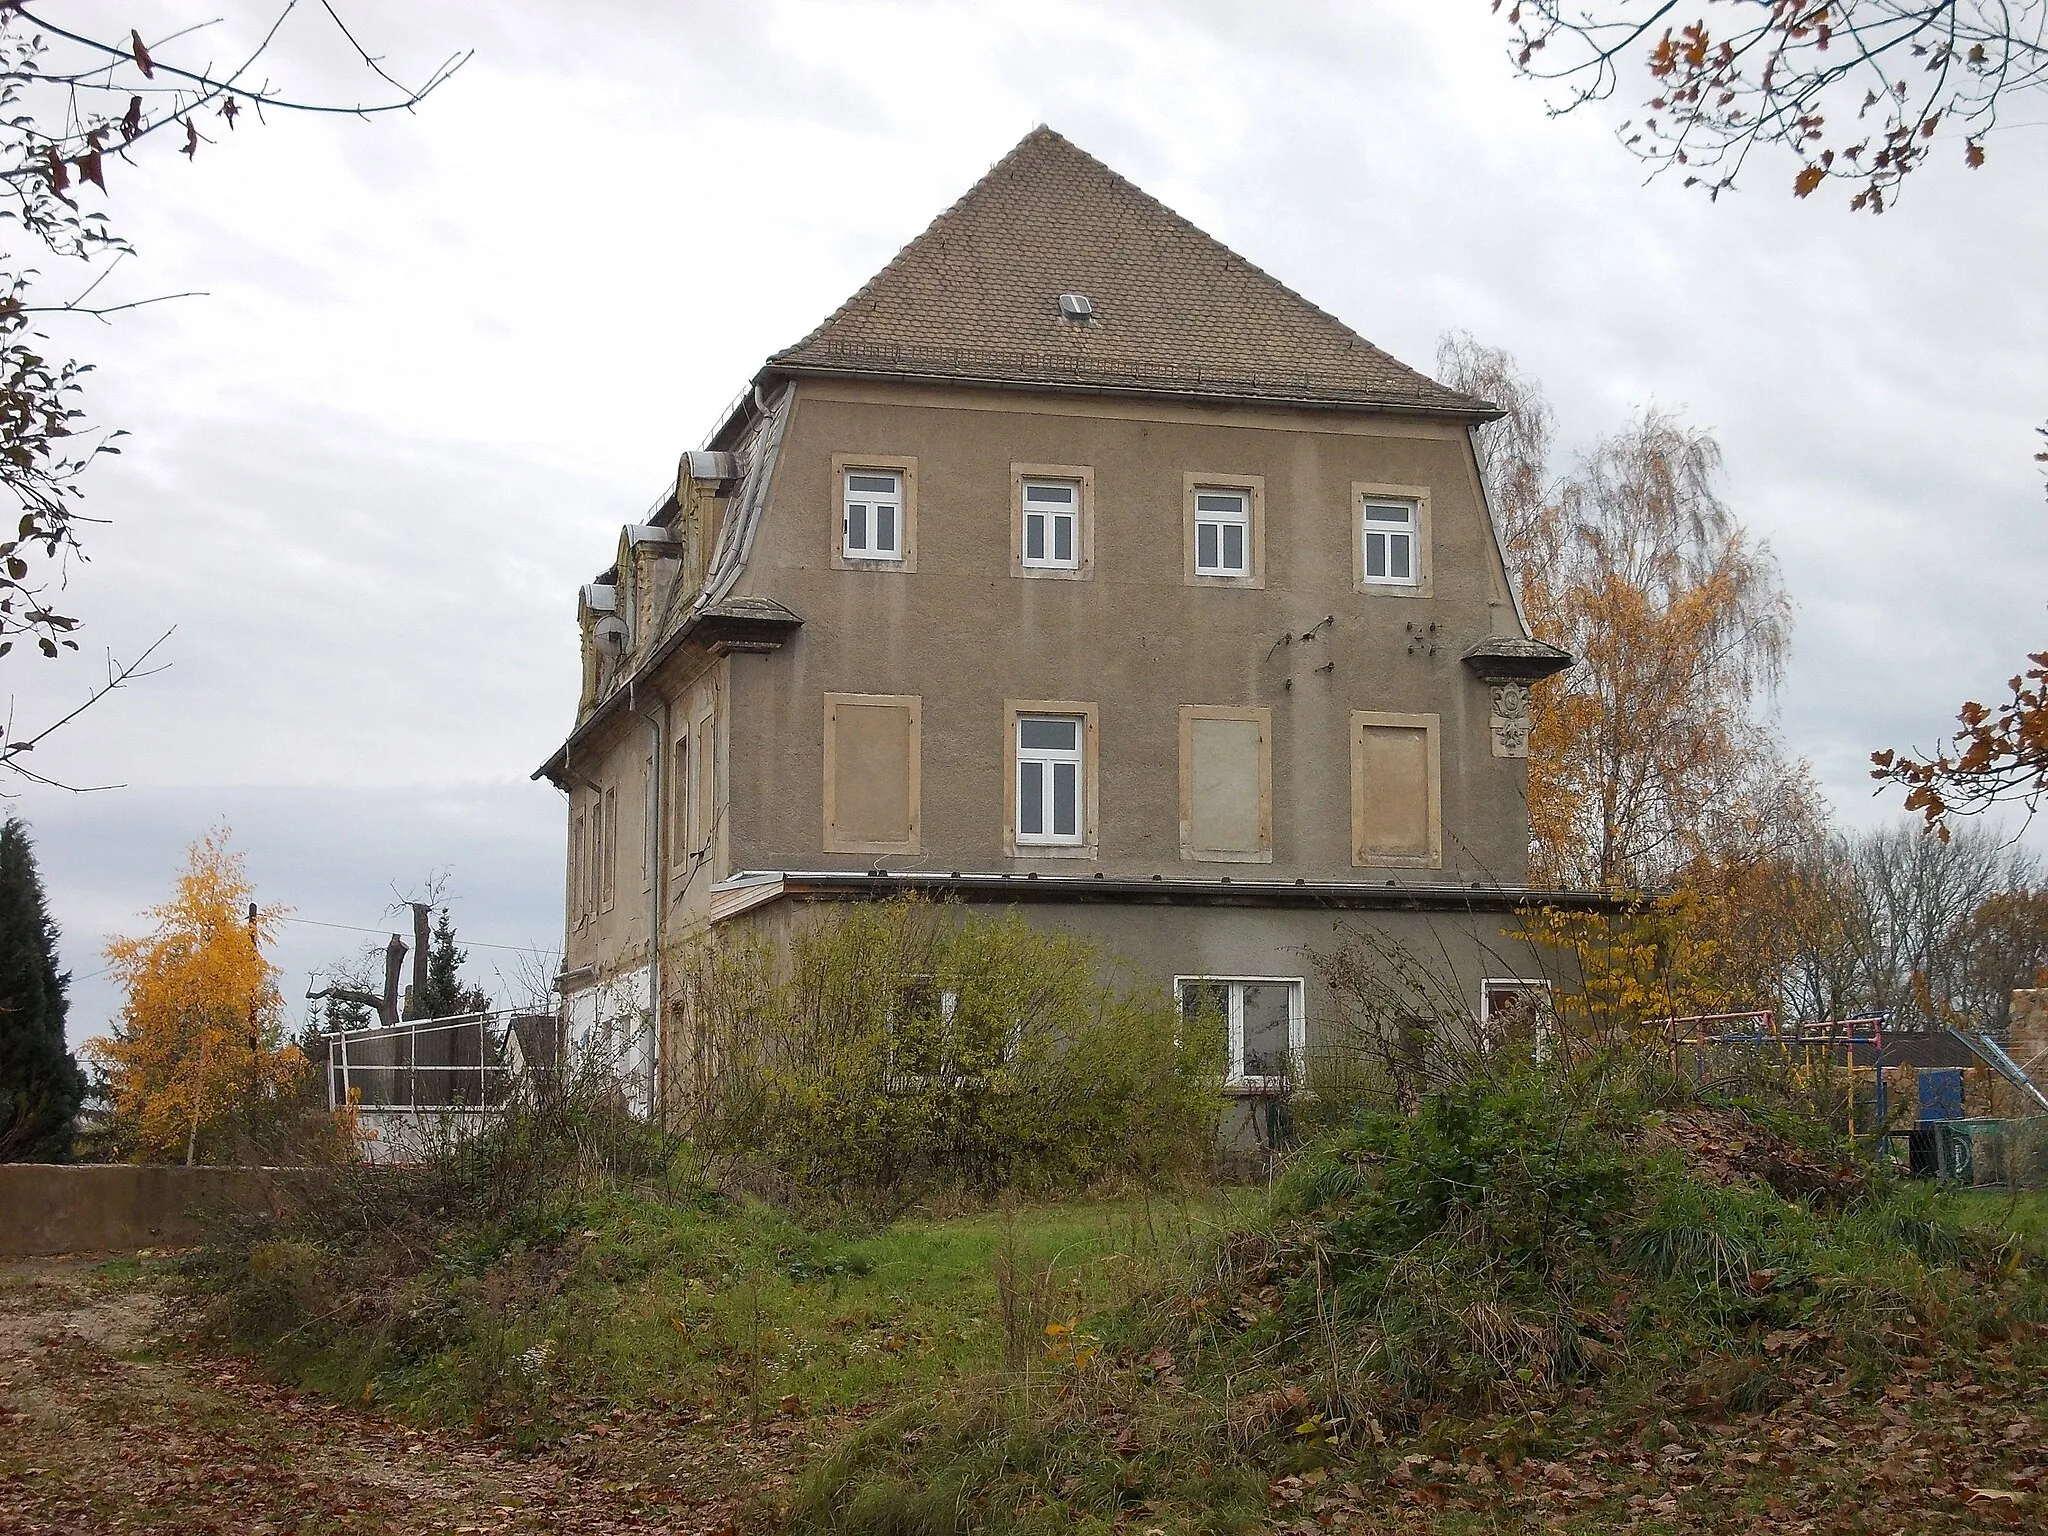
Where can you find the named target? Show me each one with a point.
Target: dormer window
(873, 525)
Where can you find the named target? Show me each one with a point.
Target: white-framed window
(872, 526)
(920, 1037)
(1052, 525)
(1390, 531)
(1266, 1020)
(1050, 782)
(1223, 533)
(1510, 1007)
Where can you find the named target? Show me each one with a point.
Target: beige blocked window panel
(579, 871)
(873, 512)
(1051, 798)
(872, 772)
(1052, 521)
(1396, 791)
(1223, 530)
(608, 845)
(1390, 539)
(679, 803)
(704, 784)
(1226, 784)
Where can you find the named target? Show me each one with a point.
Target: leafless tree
(1857, 90)
(1926, 931)
(76, 109)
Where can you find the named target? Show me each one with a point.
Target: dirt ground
(104, 1428)
(108, 1424)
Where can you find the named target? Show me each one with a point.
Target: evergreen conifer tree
(41, 1085)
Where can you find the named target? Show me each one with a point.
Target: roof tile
(975, 298)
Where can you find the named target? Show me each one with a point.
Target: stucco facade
(828, 665)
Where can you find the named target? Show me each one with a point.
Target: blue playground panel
(1941, 1093)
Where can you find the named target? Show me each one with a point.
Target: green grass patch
(2024, 1212)
(1536, 1264)
(712, 1306)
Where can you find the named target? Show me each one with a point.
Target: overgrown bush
(897, 1048)
(380, 1267)
(1533, 1238)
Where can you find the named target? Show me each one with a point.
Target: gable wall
(962, 634)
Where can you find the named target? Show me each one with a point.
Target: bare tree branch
(71, 105)
(1858, 90)
(14, 746)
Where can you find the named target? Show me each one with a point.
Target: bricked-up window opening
(1266, 1023)
(1226, 783)
(1223, 523)
(1052, 510)
(1049, 806)
(872, 770)
(704, 780)
(873, 526)
(1390, 542)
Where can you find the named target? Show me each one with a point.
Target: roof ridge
(1016, 149)
(1230, 252)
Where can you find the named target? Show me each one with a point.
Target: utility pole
(255, 1032)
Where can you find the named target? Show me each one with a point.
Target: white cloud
(445, 356)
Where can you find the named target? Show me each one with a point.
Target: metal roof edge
(1219, 890)
(777, 369)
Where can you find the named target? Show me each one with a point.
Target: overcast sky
(442, 358)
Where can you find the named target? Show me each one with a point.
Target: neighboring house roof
(976, 299)
(1943, 1049)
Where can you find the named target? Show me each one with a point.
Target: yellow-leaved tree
(197, 1058)
(1655, 769)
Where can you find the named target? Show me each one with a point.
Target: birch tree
(199, 1044)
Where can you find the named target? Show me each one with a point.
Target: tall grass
(1533, 1235)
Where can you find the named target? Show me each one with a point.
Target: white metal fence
(459, 1065)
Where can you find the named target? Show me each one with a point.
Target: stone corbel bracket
(1508, 664)
(745, 624)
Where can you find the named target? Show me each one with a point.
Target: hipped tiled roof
(975, 298)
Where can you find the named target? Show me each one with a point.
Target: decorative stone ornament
(1508, 664)
(1511, 722)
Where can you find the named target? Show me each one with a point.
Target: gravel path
(105, 1427)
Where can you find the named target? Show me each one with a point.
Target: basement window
(1512, 1010)
(919, 1040)
(1265, 1020)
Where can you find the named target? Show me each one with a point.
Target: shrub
(903, 1047)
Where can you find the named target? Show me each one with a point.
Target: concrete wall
(1150, 945)
(963, 633)
(119, 1208)
(664, 860)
